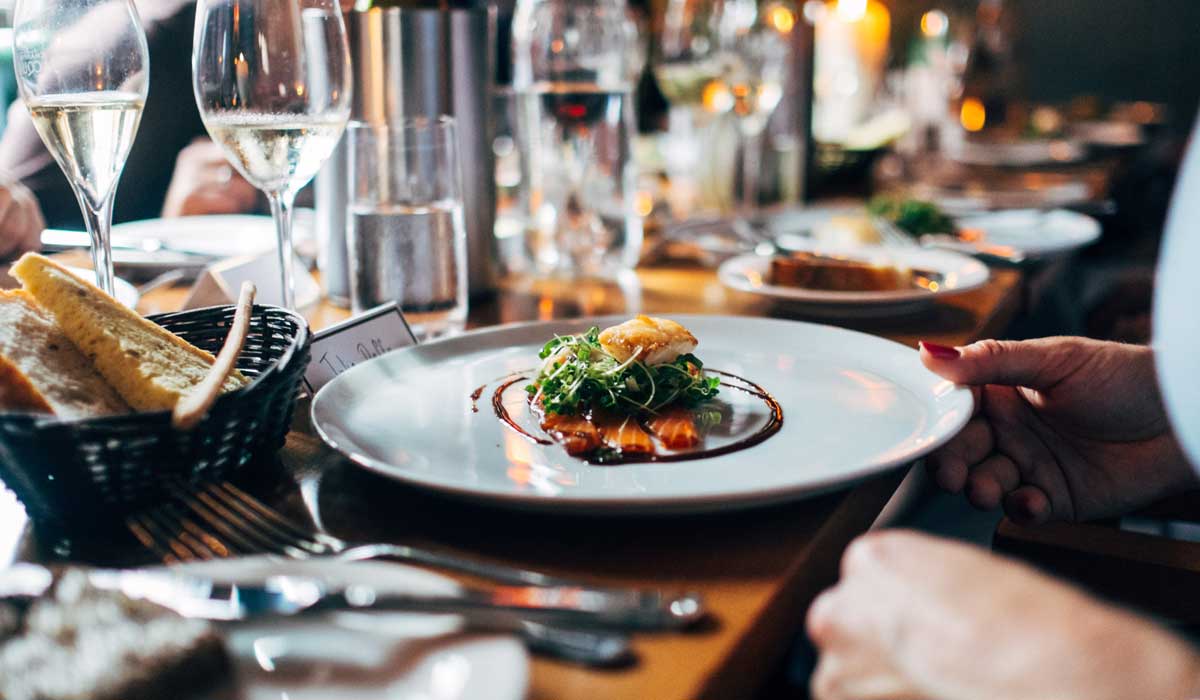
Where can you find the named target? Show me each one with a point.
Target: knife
(127, 250)
(198, 598)
(286, 596)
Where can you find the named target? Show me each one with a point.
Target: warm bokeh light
(644, 204)
(935, 24)
(973, 115)
(851, 10)
(716, 98)
(781, 18)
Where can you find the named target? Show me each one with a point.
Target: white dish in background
(123, 291)
(364, 656)
(853, 406)
(960, 273)
(1019, 154)
(1034, 232)
(218, 236)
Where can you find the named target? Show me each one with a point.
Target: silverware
(128, 250)
(986, 252)
(287, 596)
(221, 520)
(891, 235)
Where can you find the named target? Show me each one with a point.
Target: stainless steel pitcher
(414, 62)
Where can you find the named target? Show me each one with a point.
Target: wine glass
(574, 62)
(687, 54)
(83, 72)
(755, 42)
(272, 81)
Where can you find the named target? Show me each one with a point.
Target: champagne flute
(83, 71)
(272, 81)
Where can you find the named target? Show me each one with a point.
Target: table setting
(488, 420)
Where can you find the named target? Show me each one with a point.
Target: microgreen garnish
(577, 374)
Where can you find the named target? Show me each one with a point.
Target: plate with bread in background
(855, 281)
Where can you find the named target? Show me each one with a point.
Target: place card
(364, 337)
(219, 282)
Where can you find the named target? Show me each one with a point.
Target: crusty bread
(812, 271)
(149, 367)
(41, 371)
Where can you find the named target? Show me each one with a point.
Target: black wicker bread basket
(69, 472)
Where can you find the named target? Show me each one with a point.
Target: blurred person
(21, 221)
(1065, 429)
(172, 169)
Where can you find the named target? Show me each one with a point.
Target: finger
(1037, 364)
(950, 464)
(991, 480)
(820, 620)
(1028, 505)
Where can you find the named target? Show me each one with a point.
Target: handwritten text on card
(364, 337)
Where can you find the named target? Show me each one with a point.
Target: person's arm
(1065, 429)
(918, 618)
(21, 221)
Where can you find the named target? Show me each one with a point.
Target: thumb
(1034, 364)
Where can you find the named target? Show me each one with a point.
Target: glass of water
(405, 234)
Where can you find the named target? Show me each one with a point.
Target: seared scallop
(654, 341)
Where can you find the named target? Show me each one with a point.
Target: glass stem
(99, 223)
(752, 147)
(281, 211)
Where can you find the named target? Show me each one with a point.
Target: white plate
(123, 291)
(749, 273)
(1036, 233)
(853, 405)
(218, 236)
(364, 656)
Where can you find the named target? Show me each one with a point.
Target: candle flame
(973, 114)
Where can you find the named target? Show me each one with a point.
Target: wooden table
(757, 569)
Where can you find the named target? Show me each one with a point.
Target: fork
(891, 234)
(175, 538)
(244, 525)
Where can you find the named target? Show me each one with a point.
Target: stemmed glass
(754, 38)
(687, 57)
(272, 81)
(83, 71)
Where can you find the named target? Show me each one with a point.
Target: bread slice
(41, 371)
(150, 367)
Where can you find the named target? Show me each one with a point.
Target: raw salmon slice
(676, 428)
(575, 433)
(624, 434)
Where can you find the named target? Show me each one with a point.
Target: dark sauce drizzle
(475, 398)
(610, 457)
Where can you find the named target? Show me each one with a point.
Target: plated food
(840, 274)
(854, 281)
(69, 349)
(632, 392)
(854, 405)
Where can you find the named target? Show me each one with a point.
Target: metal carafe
(414, 62)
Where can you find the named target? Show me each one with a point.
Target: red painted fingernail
(941, 352)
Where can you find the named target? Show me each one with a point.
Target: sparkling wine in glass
(83, 74)
(272, 80)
